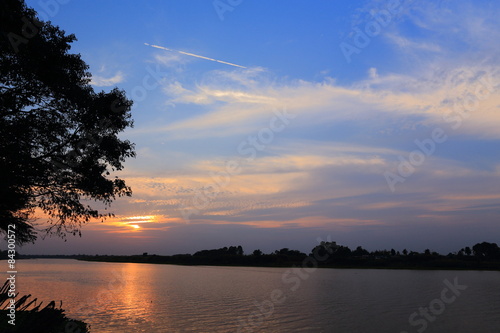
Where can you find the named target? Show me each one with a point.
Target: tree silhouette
(485, 249)
(257, 253)
(58, 137)
(360, 251)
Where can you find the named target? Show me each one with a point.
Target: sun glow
(141, 219)
(135, 222)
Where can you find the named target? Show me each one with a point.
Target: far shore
(275, 261)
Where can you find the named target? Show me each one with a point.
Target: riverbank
(22, 315)
(301, 261)
(482, 256)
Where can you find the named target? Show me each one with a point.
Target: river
(129, 297)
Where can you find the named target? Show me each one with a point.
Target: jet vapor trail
(195, 55)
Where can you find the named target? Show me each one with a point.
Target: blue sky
(372, 122)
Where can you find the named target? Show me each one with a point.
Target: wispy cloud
(382, 96)
(101, 81)
(327, 167)
(409, 45)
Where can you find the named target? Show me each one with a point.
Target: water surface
(129, 297)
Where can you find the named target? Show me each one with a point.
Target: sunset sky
(374, 123)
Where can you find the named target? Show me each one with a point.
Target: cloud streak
(194, 55)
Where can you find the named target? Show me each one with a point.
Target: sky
(284, 123)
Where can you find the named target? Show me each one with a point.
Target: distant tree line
(482, 256)
(225, 251)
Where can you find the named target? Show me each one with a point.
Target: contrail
(195, 55)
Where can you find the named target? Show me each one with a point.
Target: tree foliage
(487, 250)
(225, 251)
(58, 137)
